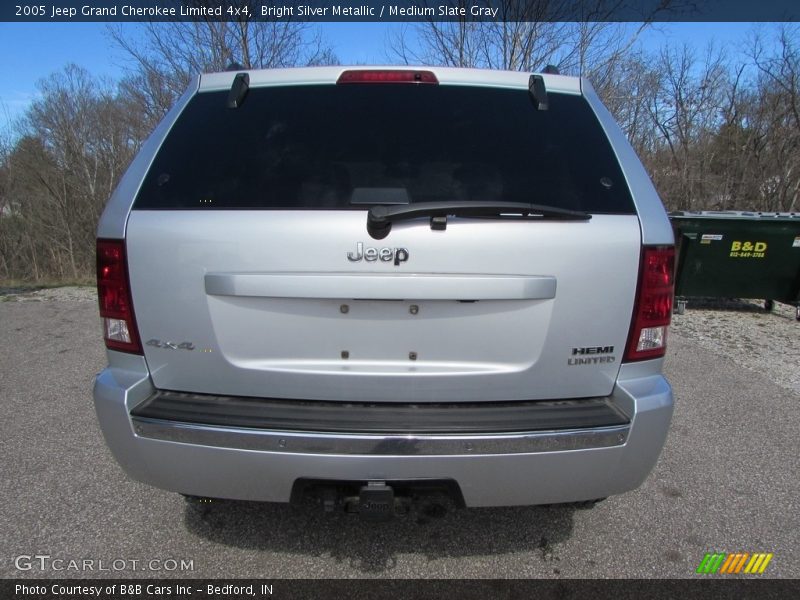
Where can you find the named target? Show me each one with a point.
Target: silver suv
(358, 284)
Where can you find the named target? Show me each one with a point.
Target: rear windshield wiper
(380, 218)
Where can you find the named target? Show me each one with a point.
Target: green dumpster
(731, 254)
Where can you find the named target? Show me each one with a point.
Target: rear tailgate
(252, 272)
(238, 303)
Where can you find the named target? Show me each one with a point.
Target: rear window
(351, 146)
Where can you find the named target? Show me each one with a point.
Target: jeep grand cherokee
(365, 282)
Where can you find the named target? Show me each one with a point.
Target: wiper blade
(380, 218)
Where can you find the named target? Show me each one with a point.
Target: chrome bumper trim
(299, 442)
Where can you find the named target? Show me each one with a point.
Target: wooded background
(714, 132)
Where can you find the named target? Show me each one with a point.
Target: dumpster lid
(732, 214)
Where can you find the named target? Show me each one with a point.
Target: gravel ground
(724, 482)
(767, 343)
(78, 294)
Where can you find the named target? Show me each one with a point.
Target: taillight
(114, 295)
(386, 76)
(652, 310)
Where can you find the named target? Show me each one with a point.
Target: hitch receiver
(376, 501)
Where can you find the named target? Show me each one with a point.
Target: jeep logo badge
(369, 254)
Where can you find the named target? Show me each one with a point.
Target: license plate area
(324, 334)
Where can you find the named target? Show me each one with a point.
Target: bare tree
(635, 81)
(713, 135)
(7, 243)
(685, 108)
(59, 174)
(80, 135)
(779, 97)
(167, 55)
(525, 36)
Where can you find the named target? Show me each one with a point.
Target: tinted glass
(349, 146)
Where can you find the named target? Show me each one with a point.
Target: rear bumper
(491, 469)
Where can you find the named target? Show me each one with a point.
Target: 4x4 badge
(171, 345)
(370, 254)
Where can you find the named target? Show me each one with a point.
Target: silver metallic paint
(522, 356)
(484, 479)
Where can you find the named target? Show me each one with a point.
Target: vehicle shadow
(435, 531)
